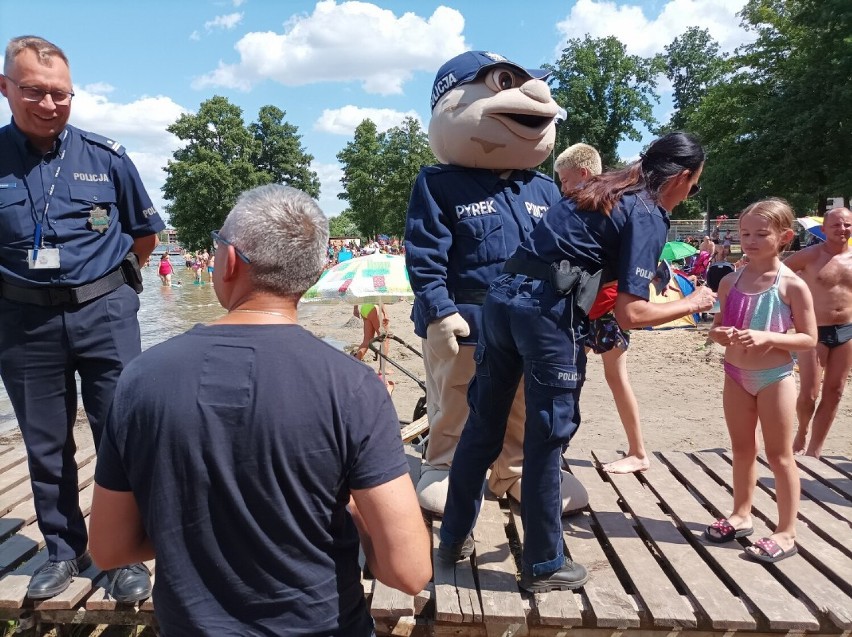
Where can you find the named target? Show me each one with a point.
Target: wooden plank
(498, 583)
(835, 553)
(448, 606)
(609, 604)
(841, 464)
(818, 519)
(828, 475)
(811, 582)
(556, 608)
(13, 458)
(13, 587)
(663, 602)
(13, 476)
(781, 609)
(826, 496)
(708, 593)
(414, 429)
(390, 602)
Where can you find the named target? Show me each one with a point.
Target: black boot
(457, 551)
(569, 577)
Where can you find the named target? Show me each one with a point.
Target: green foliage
(780, 126)
(221, 158)
(606, 92)
(692, 64)
(343, 225)
(379, 170)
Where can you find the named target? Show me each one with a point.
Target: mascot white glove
(441, 335)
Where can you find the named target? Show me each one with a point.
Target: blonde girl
(759, 304)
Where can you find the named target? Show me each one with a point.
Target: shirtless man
(827, 269)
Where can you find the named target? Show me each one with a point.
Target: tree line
(775, 117)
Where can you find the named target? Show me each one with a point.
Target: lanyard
(38, 235)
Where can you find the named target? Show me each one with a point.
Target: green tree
(606, 92)
(693, 63)
(343, 225)
(362, 178)
(405, 150)
(780, 126)
(280, 154)
(221, 157)
(379, 170)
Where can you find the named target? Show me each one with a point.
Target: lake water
(163, 313)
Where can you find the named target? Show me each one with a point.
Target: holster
(132, 271)
(566, 279)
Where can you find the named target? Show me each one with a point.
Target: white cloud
(646, 36)
(195, 36)
(224, 21)
(101, 88)
(239, 3)
(349, 41)
(343, 121)
(329, 176)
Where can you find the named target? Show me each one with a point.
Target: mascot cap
(467, 66)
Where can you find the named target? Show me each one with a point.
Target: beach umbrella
(375, 278)
(677, 251)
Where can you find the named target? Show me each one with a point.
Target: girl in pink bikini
(759, 304)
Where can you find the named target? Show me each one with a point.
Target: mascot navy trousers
(527, 330)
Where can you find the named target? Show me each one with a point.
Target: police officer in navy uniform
(534, 323)
(75, 222)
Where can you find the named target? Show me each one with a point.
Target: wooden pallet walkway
(641, 537)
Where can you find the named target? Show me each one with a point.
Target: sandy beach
(677, 381)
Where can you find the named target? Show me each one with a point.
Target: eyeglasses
(217, 238)
(35, 94)
(694, 190)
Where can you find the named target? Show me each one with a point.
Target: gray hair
(44, 49)
(284, 234)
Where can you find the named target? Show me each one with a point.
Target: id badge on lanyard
(39, 257)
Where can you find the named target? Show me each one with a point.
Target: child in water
(759, 304)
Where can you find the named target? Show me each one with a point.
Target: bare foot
(799, 442)
(628, 464)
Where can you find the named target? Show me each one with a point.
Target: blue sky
(137, 66)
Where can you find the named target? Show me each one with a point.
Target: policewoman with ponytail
(534, 325)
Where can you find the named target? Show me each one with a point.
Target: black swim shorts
(834, 335)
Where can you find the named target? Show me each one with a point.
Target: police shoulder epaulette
(106, 142)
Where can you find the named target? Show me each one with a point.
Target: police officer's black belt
(532, 269)
(470, 297)
(49, 296)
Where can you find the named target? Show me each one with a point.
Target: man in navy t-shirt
(250, 457)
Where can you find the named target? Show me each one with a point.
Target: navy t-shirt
(241, 445)
(627, 243)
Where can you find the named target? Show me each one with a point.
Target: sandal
(722, 531)
(770, 551)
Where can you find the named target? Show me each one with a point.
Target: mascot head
(488, 112)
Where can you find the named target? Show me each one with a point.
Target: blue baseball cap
(467, 66)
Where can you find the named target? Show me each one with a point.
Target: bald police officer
(75, 222)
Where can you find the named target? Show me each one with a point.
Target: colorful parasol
(814, 226)
(374, 278)
(677, 251)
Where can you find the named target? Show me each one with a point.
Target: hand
(721, 335)
(750, 338)
(702, 298)
(441, 335)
